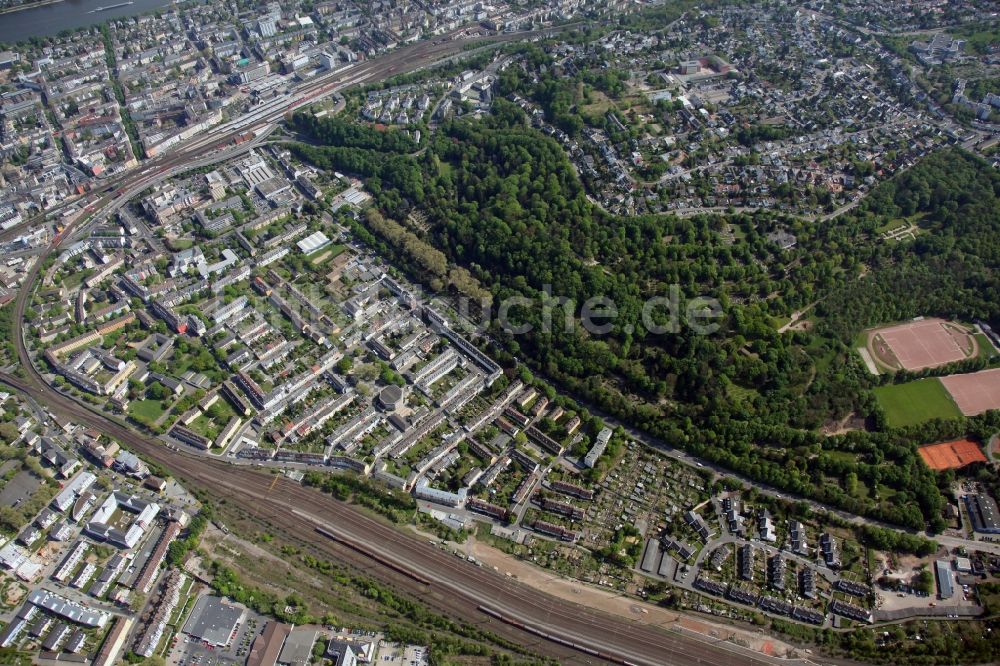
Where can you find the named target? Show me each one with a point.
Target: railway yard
(249, 416)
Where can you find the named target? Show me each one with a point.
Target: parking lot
(18, 489)
(188, 651)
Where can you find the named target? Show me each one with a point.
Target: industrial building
(983, 513)
(213, 620)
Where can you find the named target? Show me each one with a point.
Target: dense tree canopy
(503, 202)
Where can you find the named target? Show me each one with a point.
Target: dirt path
(796, 316)
(849, 423)
(616, 604)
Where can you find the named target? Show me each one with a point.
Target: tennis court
(951, 455)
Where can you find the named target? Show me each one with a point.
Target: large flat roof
(313, 242)
(298, 647)
(213, 620)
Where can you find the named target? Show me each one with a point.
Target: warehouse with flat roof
(214, 620)
(946, 587)
(297, 650)
(983, 514)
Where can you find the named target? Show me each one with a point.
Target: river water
(50, 20)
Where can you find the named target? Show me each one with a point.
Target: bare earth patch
(612, 602)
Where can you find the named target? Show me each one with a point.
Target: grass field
(778, 322)
(915, 402)
(205, 427)
(600, 103)
(146, 410)
(986, 349)
(861, 339)
(178, 244)
(741, 393)
(900, 222)
(325, 254)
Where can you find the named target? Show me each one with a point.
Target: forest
(504, 203)
(949, 270)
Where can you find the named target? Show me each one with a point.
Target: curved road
(403, 60)
(456, 588)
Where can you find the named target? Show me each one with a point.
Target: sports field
(915, 402)
(951, 455)
(916, 345)
(976, 392)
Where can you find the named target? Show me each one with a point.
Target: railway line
(431, 574)
(368, 552)
(463, 591)
(402, 60)
(560, 617)
(406, 59)
(606, 656)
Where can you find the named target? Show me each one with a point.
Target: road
(455, 588)
(686, 458)
(400, 61)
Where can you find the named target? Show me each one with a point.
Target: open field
(321, 256)
(917, 345)
(148, 410)
(915, 402)
(974, 393)
(986, 348)
(599, 103)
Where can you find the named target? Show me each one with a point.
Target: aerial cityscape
(637, 332)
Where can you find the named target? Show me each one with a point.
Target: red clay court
(976, 392)
(928, 343)
(951, 455)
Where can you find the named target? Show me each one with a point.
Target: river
(50, 20)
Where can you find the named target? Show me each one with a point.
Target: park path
(796, 316)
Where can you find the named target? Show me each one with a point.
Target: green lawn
(74, 280)
(915, 402)
(205, 427)
(740, 393)
(325, 254)
(178, 244)
(146, 410)
(986, 349)
(900, 222)
(778, 322)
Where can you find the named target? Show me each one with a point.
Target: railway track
(437, 577)
(403, 60)
(459, 589)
